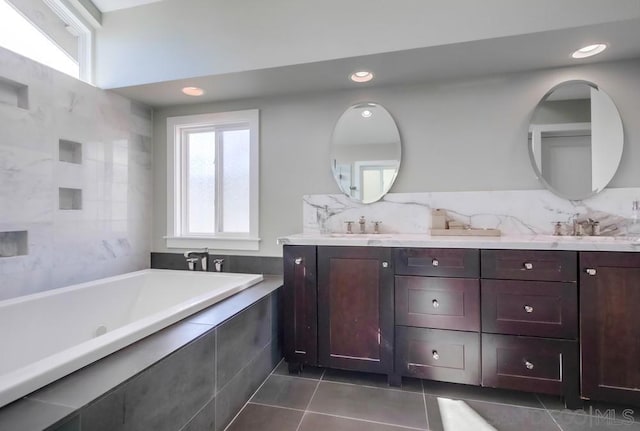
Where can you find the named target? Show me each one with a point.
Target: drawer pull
(528, 266)
(528, 309)
(435, 262)
(298, 260)
(591, 271)
(529, 365)
(385, 264)
(435, 355)
(435, 303)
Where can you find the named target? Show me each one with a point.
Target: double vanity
(538, 314)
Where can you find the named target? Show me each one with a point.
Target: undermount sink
(359, 235)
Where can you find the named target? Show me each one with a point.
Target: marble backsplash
(514, 212)
(110, 232)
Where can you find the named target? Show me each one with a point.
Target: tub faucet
(193, 257)
(217, 265)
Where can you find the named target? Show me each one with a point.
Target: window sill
(216, 243)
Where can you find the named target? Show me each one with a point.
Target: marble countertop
(523, 242)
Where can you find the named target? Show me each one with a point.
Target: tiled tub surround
(106, 315)
(109, 160)
(231, 263)
(514, 212)
(194, 375)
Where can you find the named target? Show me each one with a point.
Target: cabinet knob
(385, 264)
(591, 271)
(528, 265)
(298, 260)
(528, 309)
(529, 365)
(435, 355)
(435, 303)
(435, 262)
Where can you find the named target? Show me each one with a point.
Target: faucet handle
(349, 226)
(376, 226)
(217, 264)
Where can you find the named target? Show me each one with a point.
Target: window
(212, 181)
(48, 32)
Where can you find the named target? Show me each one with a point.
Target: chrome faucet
(362, 223)
(192, 258)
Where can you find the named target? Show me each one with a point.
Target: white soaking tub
(48, 335)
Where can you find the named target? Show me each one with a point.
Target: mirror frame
(532, 160)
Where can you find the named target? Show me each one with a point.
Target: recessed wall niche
(70, 199)
(13, 93)
(13, 243)
(70, 151)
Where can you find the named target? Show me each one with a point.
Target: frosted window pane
(387, 177)
(235, 182)
(202, 182)
(371, 184)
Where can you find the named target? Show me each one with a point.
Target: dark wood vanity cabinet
(437, 314)
(610, 326)
(338, 308)
(355, 308)
(299, 302)
(530, 321)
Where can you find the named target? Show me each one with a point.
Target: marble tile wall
(111, 233)
(514, 212)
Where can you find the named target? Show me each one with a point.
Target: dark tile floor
(334, 400)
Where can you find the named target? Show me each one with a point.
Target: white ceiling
(445, 62)
(111, 5)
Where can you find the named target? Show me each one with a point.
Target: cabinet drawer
(528, 364)
(540, 265)
(539, 308)
(432, 302)
(438, 262)
(448, 356)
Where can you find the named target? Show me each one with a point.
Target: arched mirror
(575, 140)
(365, 152)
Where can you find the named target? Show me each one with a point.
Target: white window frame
(176, 128)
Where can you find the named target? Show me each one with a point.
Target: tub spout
(193, 256)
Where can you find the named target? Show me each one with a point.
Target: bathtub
(48, 335)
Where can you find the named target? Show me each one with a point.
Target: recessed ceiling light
(361, 76)
(589, 51)
(193, 91)
(366, 113)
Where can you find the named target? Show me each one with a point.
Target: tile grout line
(365, 420)
(548, 412)
(311, 399)
(424, 398)
(372, 387)
(276, 406)
(252, 395)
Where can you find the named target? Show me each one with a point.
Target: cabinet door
(299, 301)
(355, 308)
(610, 326)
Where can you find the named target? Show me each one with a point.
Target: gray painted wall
(462, 135)
(187, 38)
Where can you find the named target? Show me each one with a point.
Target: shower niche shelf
(70, 152)
(70, 199)
(13, 243)
(14, 93)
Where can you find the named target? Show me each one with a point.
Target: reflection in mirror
(365, 153)
(575, 140)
